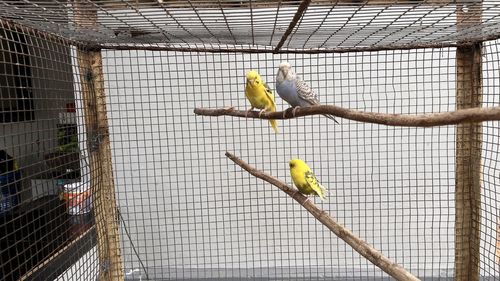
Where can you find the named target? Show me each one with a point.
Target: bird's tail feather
(323, 192)
(331, 117)
(273, 122)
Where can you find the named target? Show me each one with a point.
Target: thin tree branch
(362, 247)
(300, 12)
(423, 120)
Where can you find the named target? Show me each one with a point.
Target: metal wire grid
(37, 70)
(207, 215)
(192, 214)
(237, 24)
(490, 213)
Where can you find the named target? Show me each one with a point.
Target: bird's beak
(250, 81)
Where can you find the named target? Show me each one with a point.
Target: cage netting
(107, 173)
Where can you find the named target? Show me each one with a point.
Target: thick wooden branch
(468, 115)
(362, 247)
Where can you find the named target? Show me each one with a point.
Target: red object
(70, 107)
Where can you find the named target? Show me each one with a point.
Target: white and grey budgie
(294, 90)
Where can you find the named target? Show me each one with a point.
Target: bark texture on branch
(468, 115)
(361, 246)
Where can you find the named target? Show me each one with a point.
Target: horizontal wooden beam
(63, 259)
(203, 4)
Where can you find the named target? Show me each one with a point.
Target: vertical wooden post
(468, 153)
(101, 169)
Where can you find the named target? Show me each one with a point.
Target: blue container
(9, 184)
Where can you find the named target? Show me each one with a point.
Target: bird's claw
(307, 197)
(262, 111)
(294, 109)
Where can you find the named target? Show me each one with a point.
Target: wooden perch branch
(362, 247)
(424, 120)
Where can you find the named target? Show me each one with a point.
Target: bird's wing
(305, 92)
(269, 93)
(315, 185)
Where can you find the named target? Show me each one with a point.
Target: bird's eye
(257, 82)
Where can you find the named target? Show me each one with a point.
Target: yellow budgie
(260, 96)
(305, 180)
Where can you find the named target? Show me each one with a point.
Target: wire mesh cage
(109, 172)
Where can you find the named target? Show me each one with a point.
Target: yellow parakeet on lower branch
(305, 180)
(260, 96)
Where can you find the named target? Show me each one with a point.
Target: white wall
(193, 213)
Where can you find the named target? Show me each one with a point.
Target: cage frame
(468, 143)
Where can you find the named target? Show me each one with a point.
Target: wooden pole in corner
(101, 169)
(468, 153)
